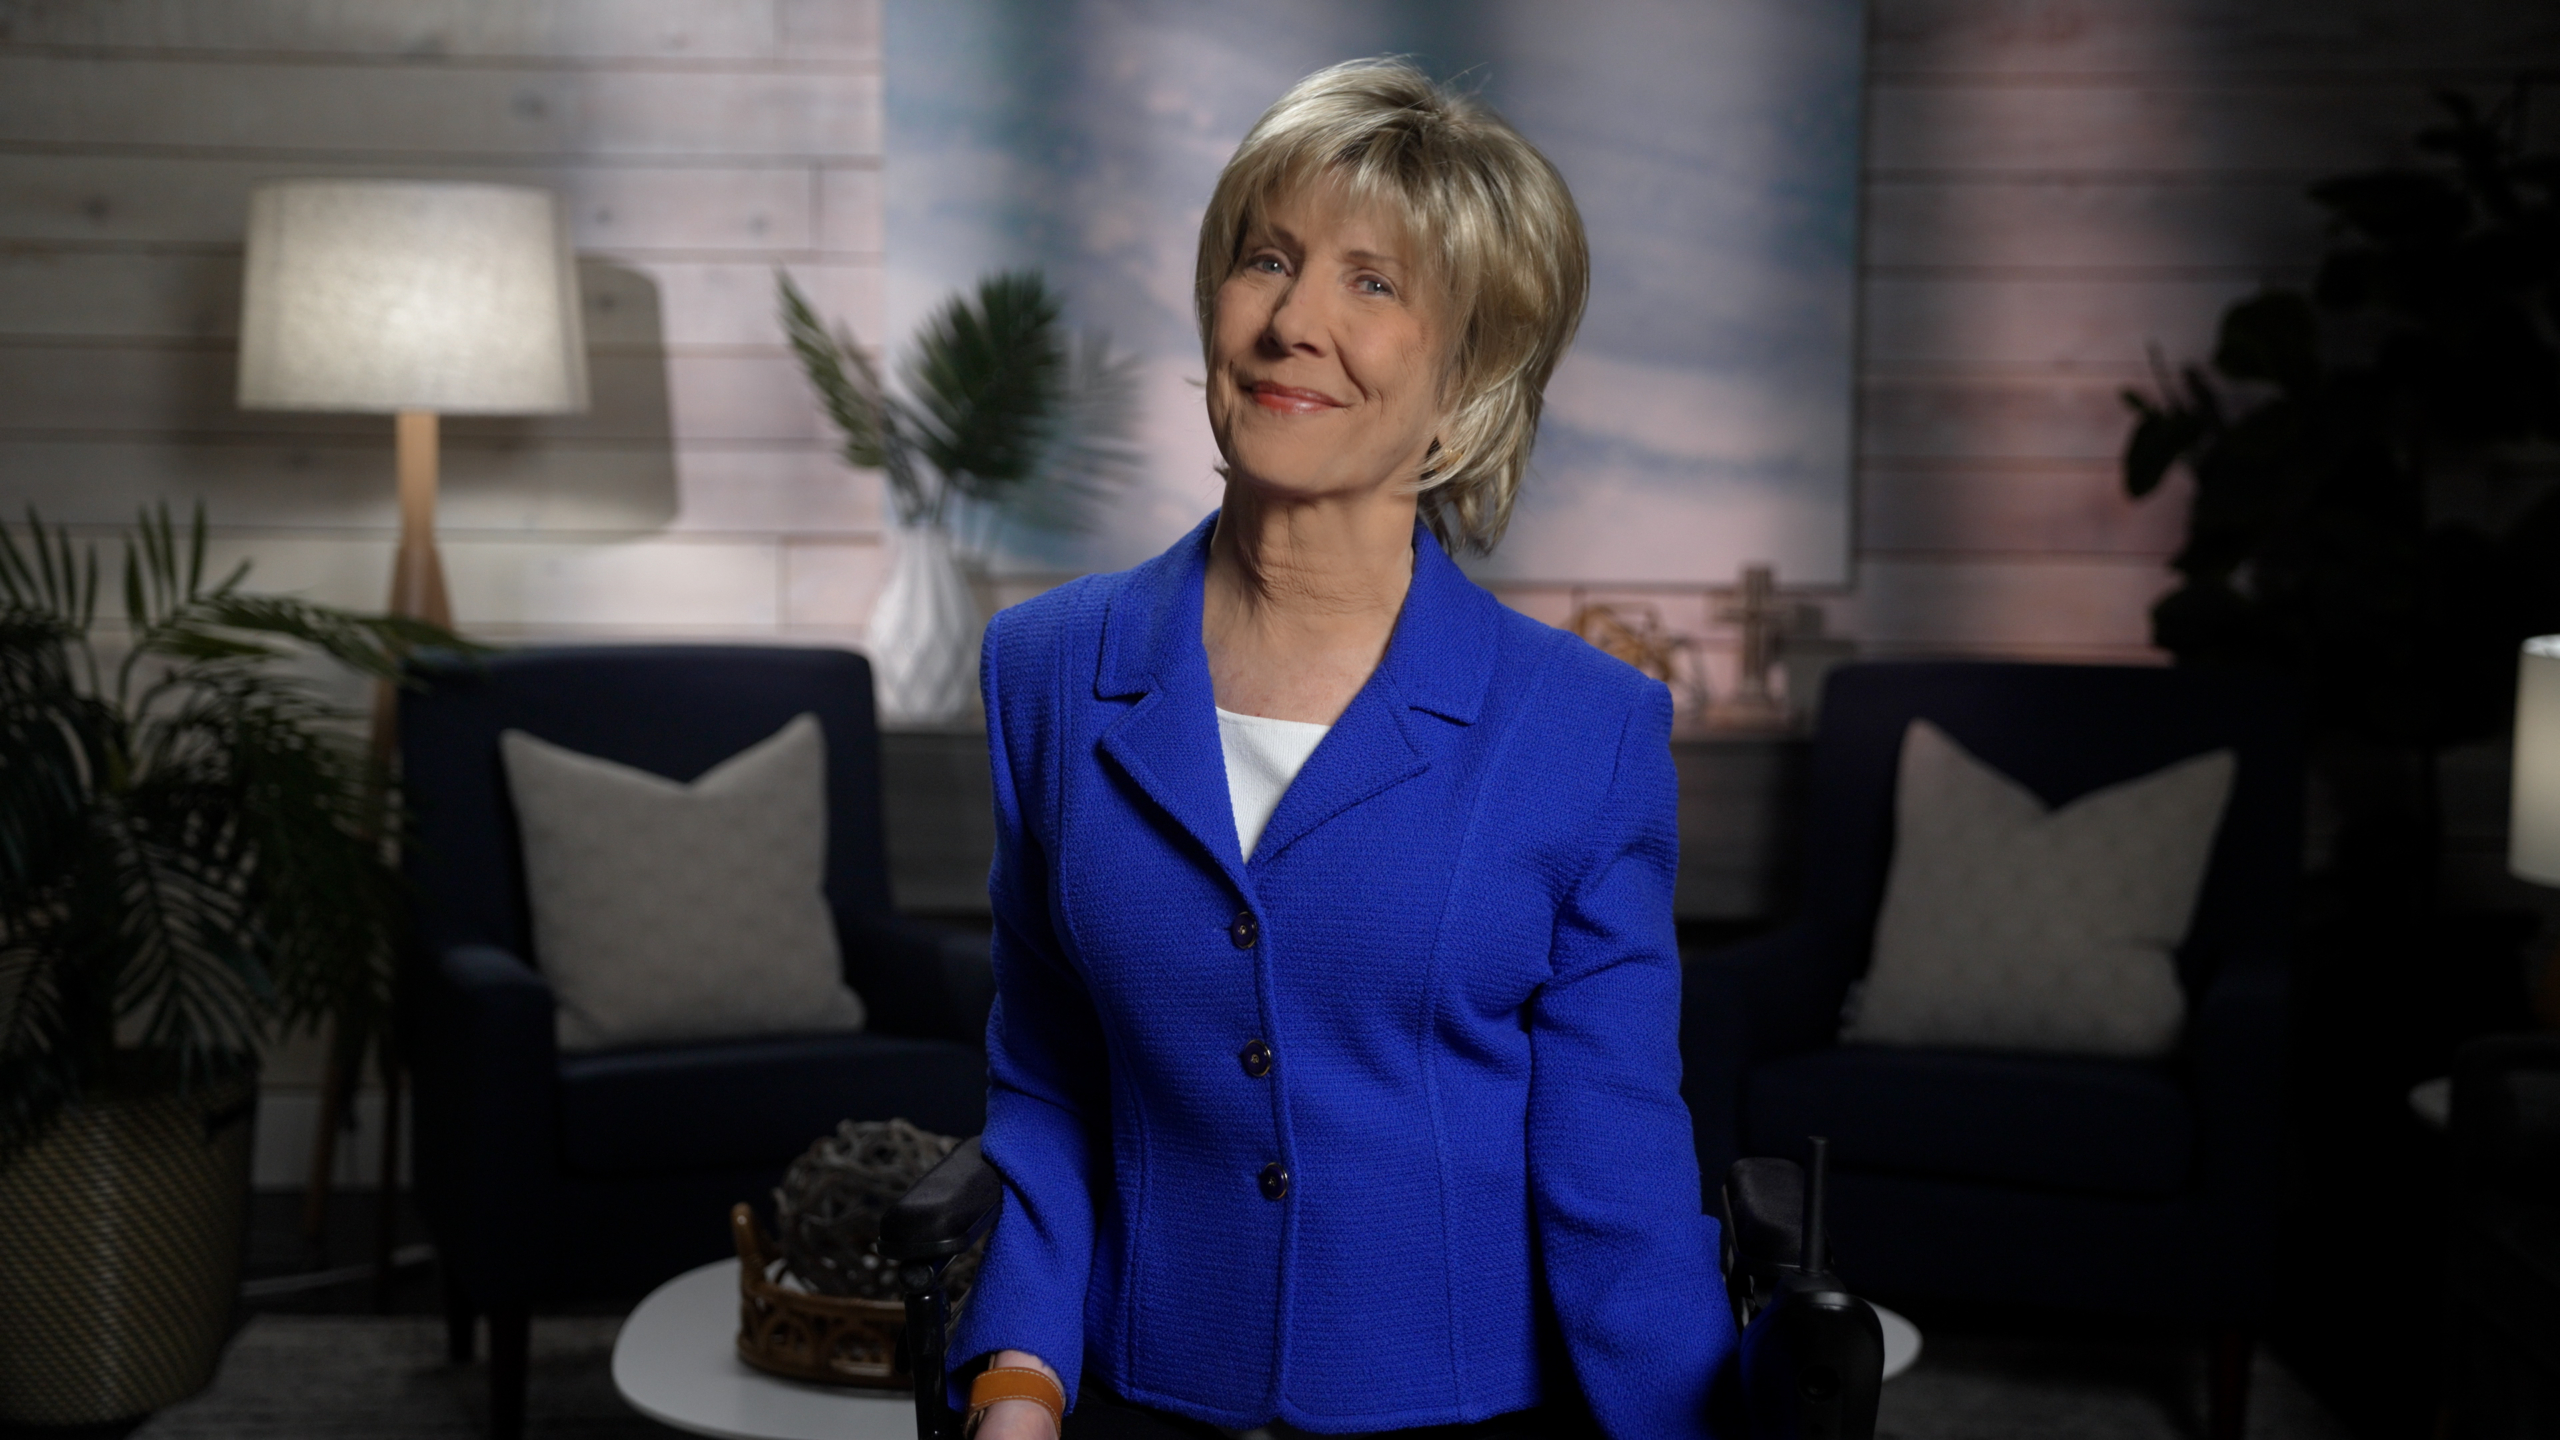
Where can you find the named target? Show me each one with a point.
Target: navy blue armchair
(547, 1177)
(2127, 1187)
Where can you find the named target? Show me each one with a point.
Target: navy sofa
(2128, 1187)
(547, 1177)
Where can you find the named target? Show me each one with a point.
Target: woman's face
(1327, 352)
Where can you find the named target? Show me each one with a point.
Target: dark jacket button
(1275, 1181)
(1257, 1059)
(1244, 930)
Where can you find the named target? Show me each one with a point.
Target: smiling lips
(1289, 400)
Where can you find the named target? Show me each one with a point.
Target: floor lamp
(2533, 822)
(415, 299)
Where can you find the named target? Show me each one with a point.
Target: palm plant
(192, 846)
(1005, 416)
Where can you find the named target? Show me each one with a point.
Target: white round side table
(676, 1361)
(1901, 1340)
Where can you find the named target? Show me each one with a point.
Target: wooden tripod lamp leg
(417, 576)
(417, 592)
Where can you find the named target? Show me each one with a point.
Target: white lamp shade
(2533, 820)
(385, 295)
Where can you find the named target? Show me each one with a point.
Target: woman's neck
(1300, 599)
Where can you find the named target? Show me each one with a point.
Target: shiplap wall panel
(374, 110)
(418, 30)
(2076, 124)
(852, 213)
(699, 146)
(2038, 605)
(2070, 325)
(822, 582)
(2151, 224)
(191, 295)
(2055, 188)
(2172, 39)
(709, 210)
(344, 483)
(160, 389)
(1956, 416)
(2046, 509)
(644, 584)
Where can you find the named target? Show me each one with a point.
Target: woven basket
(832, 1339)
(121, 1233)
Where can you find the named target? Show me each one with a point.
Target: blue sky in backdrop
(1702, 421)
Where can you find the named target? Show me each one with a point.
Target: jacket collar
(1439, 660)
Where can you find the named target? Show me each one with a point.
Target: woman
(1334, 1069)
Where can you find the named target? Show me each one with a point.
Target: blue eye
(1372, 285)
(1266, 264)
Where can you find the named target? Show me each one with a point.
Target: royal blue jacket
(1455, 941)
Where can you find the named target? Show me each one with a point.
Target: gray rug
(1980, 1388)
(363, 1377)
(294, 1377)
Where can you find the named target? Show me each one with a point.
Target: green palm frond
(370, 645)
(849, 387)
(1003, 416)
(53, 742)
(988, 373)
(164, 572)
(47, 575)
(1093, 455)
(189, 979)
(305, 809)
(197, 853)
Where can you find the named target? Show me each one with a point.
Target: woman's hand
(1018, 1419)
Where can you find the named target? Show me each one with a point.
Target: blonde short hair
(1499, 232)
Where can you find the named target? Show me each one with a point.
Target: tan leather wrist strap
(1017, 1382)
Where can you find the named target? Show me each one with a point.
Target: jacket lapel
(1167, 743)
(1368, 751)
(1438, 660)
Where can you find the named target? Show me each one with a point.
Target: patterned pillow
(2012, 927)
(666, 912)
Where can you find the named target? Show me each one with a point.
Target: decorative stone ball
(827, 1212)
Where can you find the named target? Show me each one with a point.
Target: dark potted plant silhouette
(191, 855)
(2373, 510)
(2375, 515)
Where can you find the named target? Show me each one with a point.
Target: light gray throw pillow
(666, 912)
(2012, 927)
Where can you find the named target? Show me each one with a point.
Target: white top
(1263, 756)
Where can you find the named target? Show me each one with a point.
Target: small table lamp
(415, 299)
(2533, 828)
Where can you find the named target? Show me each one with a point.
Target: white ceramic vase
(923, 635)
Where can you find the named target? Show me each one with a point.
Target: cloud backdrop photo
(1702, 420)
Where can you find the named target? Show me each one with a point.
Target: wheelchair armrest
(1764, 1210)
(1763, 1229)
(946, 1211)
(941, 1215)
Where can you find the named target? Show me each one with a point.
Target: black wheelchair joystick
(1812, 1353)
